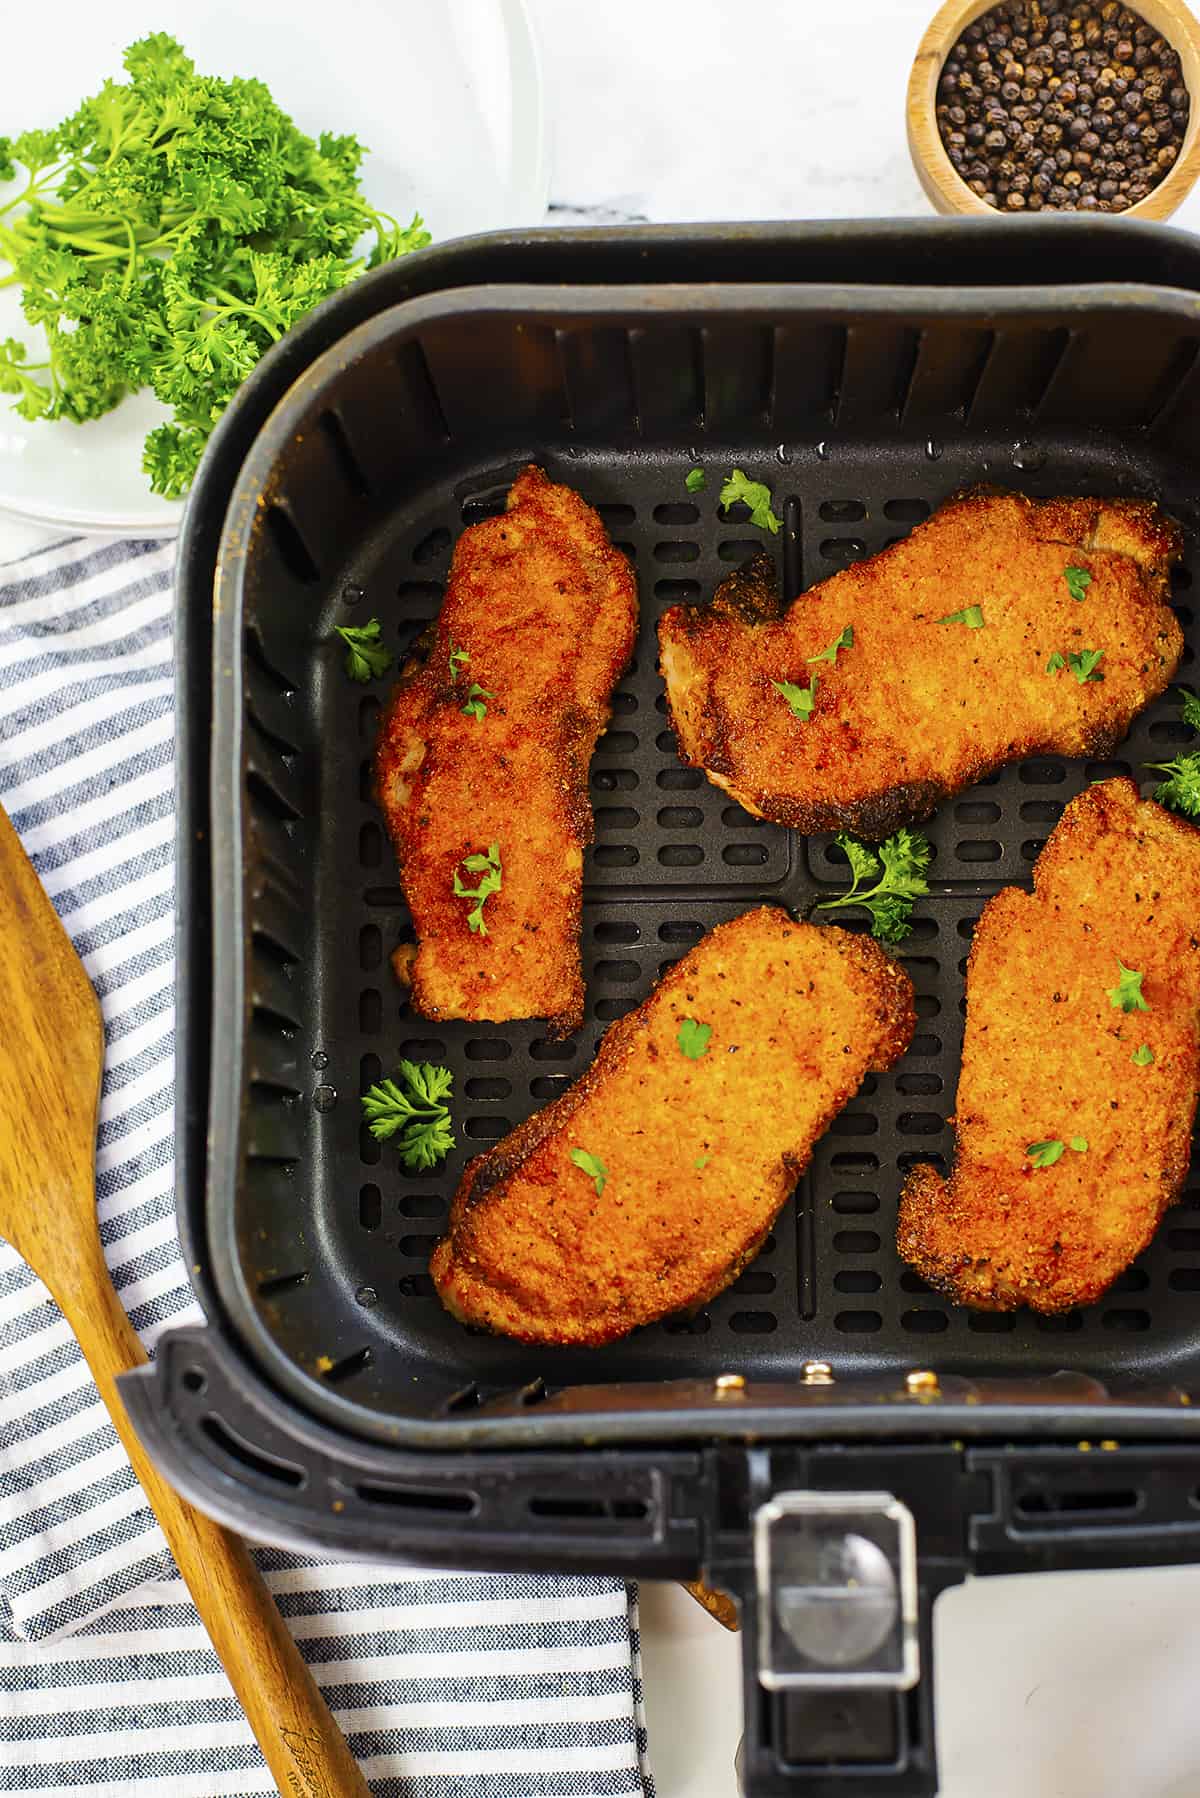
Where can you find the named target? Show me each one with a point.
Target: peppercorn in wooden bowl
(1039, 105)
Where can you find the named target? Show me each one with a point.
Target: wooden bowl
(937, 175)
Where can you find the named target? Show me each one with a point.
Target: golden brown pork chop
(916, 708)
(486, 742)
(1048, 1057)
(686, 1159)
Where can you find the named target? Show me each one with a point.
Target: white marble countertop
(1063, 1686)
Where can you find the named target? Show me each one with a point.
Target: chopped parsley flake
(474, 707)
(366, 657)
(844, 640)
(489, 870)
(800, 699)
(756, 495)
(971, 616)
(592, 1166)
(1127, 994)
(693, 1038)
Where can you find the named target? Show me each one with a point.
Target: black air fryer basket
(829, 1440)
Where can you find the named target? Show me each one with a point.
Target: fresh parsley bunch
(167, 233)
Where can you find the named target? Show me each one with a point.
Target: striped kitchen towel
(448, 1685)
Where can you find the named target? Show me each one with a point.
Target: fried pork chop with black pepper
(482, 760)
(973, 641)
(1074, 1114)
(647, 1187)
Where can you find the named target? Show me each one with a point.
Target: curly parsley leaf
(1181, 790)
(754, 494)
(971, 616)
(1078, 1143)
(696, 480)
(901, 865)
(1127, 994)
(1189, 706)
(1056, 662)
(487, 866)
(1045, 1154)
(457, 659)
(863, 861)
(1078, 581)
(800, 699)
(413, 1107)
(476, 695)
(693, 1038)
(592, 1166)
(366, 656)
(1142, 1056)
(172, 229)
(843, 640)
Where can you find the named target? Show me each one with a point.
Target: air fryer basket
(863, 412)
(332, 1402)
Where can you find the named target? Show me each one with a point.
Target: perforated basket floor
(320, 1239)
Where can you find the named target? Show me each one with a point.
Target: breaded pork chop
(485, 746)
(687, 1159)
(922, 703)
(1048, 1058)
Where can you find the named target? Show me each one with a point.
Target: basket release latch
(836, 1577)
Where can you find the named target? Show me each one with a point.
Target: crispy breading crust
(799, 1013)
(546, 610)
(917, 710)
(1046, 1056)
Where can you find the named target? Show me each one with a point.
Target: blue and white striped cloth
(448, 1685)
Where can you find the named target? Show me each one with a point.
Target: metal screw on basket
(922, 1382)
(729, 1385)
(816, 1373)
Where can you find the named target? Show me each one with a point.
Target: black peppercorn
(1075, 110)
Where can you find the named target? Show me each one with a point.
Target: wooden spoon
(49, 1093)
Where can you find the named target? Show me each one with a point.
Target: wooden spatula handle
(300, 1741)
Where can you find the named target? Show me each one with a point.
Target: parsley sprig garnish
(1181, 789)
(457, 659)
(487, 866)
(1078, 581)
(366, 656)
(971, 616)
(168, 232)
(756, 495)
(843, 640)
(900, 864)
(413, 1106)
(695, 480)
(1142, 1056)
(1189, 707)
(1127, 994)
(800, 699)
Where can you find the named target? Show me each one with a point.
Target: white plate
(446, 94)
